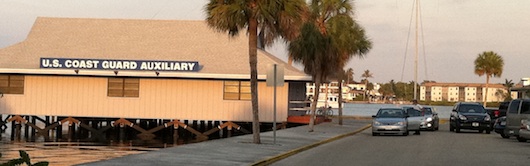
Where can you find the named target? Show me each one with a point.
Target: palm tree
(327, 41)
(508, 84)
(349, 74)
(274, 18)
(311, 49)
(366, 75)
(490, 64)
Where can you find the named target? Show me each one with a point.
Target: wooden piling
(122, 134)
(33, 138)
(71, 131)
(18, 131)
(175, 135)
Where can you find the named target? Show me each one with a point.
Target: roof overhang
(519, 89)
(148, 74)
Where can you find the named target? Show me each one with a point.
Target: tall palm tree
(349, 74)
(366, 75)
(273, 18)
(311, 48)
(327, 41)
(490, 64)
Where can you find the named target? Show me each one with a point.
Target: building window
(123, 87)
(11, 84)
(237, 90)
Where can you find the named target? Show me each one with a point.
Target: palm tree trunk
(340, 102)
(315, 102)
(487, 87)
(253, 60)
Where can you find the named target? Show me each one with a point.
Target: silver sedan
(431, 120)
(390, 121)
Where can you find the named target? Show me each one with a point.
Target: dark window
(514, 106)
(11, 84)
(525, 107)
(237, 90)
(123, 87)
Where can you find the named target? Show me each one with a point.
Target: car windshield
(390, 113)
(472, 109)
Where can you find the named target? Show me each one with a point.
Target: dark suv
(470, 116)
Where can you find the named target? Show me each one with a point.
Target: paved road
(430, 148)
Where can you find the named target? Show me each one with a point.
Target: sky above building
(452, 33)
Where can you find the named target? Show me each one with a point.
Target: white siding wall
(159, 98)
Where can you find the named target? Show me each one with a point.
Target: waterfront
(76, 153)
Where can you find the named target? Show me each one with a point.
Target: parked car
(518, 110)
(503, 108)
(430, 120)
(390, 121)
(497, 112)
(524, 131)
(471, 116)
(414, 119)
(499, 125)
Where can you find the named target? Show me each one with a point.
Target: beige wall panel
(159, 98)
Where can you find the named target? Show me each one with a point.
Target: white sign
(275, 70)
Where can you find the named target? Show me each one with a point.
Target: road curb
(301, 149)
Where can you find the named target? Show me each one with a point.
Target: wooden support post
(13, 126)
(26, 129)
(59, 131)
(2, 124)
(18, 133)
(194, 125)
(175, 135)
(122, 134)
(33, 130)
(47, 121)
(202, 126)
(217, 124)
(229, 127)
(71, 131)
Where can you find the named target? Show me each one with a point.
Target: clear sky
(454, 32)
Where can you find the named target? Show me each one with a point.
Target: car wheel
(457, 129)
(505, 136)
(488, 131)
(480, 131)
(375, 134)
(521, 139)
(417, 132)
(451, 128)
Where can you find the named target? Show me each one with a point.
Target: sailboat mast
(416, 54)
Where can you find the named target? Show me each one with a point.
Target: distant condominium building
(349, 91)
(461, 92)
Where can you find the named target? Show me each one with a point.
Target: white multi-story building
(467, 92)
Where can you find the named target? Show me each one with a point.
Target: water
(367, 110)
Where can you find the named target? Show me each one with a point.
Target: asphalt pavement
(240, 150)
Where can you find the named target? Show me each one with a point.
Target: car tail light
(496, 113)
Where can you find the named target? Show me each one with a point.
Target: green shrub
(24, 159)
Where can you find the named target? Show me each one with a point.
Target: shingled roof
(219, 55)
